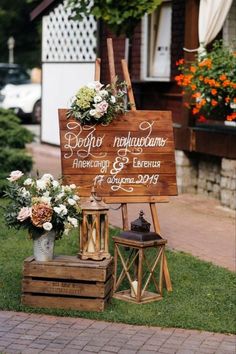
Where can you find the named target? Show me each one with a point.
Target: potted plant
(209, 84)
(43, 206)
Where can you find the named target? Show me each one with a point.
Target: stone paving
(33, 334)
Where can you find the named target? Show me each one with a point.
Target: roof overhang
(44, 7)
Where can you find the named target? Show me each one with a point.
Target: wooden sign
(129, 160)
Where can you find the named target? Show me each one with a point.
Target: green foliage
(121, 16)
(13, 138)
(12, 133)
(210, 83)
(203, 295)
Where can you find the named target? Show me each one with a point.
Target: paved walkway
(32, 334)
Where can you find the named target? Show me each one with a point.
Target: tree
(15, 22)
(121, 16)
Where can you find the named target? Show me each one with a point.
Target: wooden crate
(67, 282)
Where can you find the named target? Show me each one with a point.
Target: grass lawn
(203, 295)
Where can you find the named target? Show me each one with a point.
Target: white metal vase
(44, 246)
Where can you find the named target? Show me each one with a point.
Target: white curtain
(212, 15)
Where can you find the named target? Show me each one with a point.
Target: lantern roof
(94, 202)
(140, 224)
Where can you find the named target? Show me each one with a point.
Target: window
(156, 44)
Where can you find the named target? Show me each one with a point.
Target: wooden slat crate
(67, 282)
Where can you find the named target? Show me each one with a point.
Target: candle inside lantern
(92, 240)
(134, 288)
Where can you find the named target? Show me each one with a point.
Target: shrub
(13, 138)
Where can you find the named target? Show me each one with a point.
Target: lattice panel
(65, 40)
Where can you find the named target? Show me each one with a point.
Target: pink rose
(15, 175)
(102, 107)
(24, 213)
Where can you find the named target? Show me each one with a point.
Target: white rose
(55, 184)
(76, 197)
(47, 226)
(97, 99)
(113, 99)
(92, 112)
(28, 182)
(95, 85)
(24, 192)
(47, 177)
(103, 93)
(61, 210)
(66, 188)
(15, 175)
(24, 213)
(46, 200)
(71, 201)
(41, 184)
(72, 186)
(73, 221)
(46, 194)
(59, 196)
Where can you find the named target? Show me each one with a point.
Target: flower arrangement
(41, 205)
(210, 84)
(95, 103)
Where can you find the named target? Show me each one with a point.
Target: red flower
(201, 119)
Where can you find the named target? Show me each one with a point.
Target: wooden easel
(130, 94)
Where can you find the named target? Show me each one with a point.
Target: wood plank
(123, 185)
(61, 270)
(82, 304)
(66, 287)
(150, 163)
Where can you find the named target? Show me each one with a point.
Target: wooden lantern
(136, 273)
(94, 230)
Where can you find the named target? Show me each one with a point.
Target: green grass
(203, 294)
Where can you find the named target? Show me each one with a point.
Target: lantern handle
(94, 195)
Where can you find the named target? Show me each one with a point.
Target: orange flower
(193, 87)
(205, 62)
(227, 99)
(213, 92)
(226, 83)
(41, 213)
(231, 117)
(214, 103)
(195, 110)
(193, 69)
(180, 62)
(202, 102)
(234, 100)
(196, 95)
(223, 77)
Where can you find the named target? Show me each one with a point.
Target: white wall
(60, 82)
